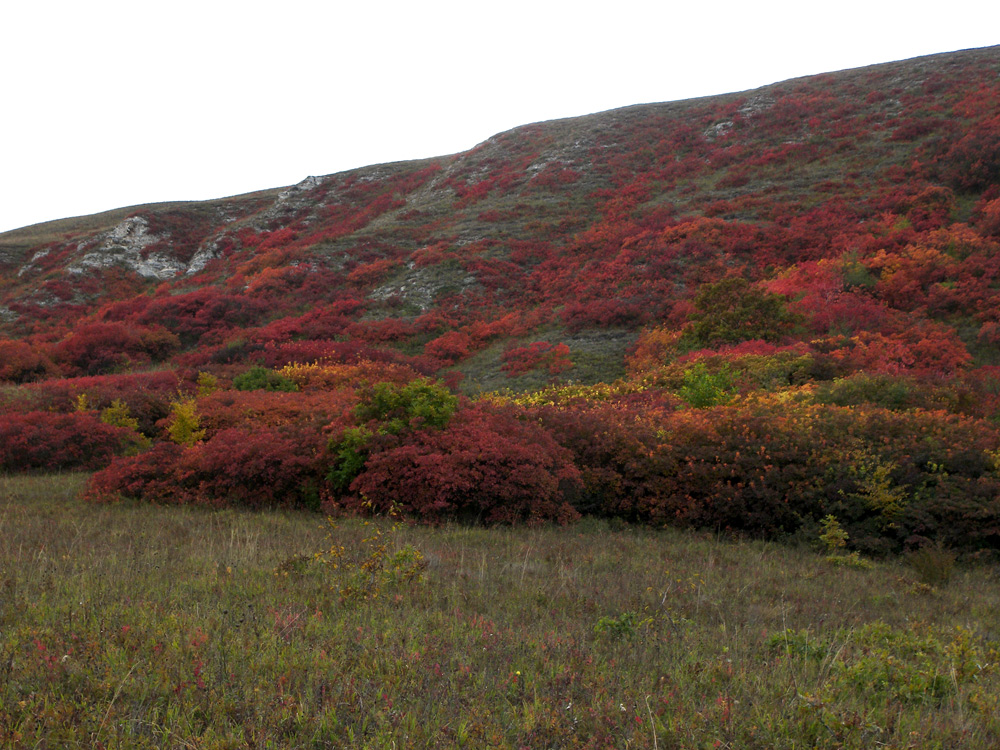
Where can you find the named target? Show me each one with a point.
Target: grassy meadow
(135, 626)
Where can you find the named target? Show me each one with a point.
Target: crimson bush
(259, 468)
(486, 465)
(49, 441)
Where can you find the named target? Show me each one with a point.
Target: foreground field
(127, 626)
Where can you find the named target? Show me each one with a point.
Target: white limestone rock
(30, 266)
(205, 253)
(123, 246)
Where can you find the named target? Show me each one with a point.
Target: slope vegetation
(748, 312)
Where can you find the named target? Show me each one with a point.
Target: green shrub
(890, 391)
(261, 379)
(185, 426)
(626, 625)
(734, 310)
(833, 536)
(387, 409)
(419, 403)
(852, 560)
(702, 388)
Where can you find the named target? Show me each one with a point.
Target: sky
(105, 104)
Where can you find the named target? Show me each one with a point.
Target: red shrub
(988, 218)
(254, 468)
(450, 347)
(555, 175)
(973, 161)
(55, 442)
(196, 313)
(511, 324)
(541, 354)
(150, 476)
(370, 273)
(930, 350)
(308, 412)
(615, 450)
(434, 254)
(279, 355)
(250, 468)
(146, 394)
(332, 377)
(603, 313)
(100, 347)
(21, 363)
(772, 469)
(381, 331)
(485, 464)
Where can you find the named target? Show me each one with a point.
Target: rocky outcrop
(125, 246)
(207, 252)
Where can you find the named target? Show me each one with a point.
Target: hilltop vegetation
(745, 313)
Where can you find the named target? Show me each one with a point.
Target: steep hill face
(867, 199)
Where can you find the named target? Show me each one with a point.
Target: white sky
(108, 103)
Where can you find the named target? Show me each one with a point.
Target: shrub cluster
(487, 466)
(765, 464)
(49, 441)
(256, 468)
(773, 468)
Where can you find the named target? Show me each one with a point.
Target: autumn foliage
(485, 466)
(34, 440)
(553, 358)
(750, 313)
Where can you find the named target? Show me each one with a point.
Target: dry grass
(134, 626)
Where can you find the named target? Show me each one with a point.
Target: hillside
(819, 244)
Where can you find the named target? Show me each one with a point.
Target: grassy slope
(128, 626)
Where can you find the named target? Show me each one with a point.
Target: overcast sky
(108, 104)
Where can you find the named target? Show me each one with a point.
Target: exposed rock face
(124, 246)
(30, 266)
(291, 202)
(756, 105)
(422, 286)
(206, 253)
(307, 184)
